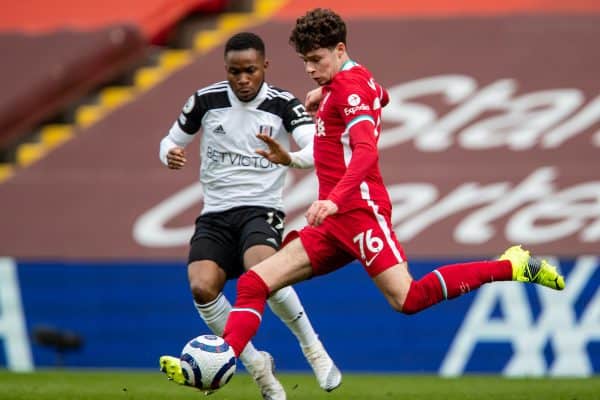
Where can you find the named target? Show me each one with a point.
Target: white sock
(215, 316)
(286, 305)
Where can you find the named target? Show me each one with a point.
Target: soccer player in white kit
(241, 222)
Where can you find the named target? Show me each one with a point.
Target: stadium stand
(489, 52)
(57, 52)
(384, 9)
(150, 17)
(43, 73)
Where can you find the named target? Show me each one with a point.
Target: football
(207, 362)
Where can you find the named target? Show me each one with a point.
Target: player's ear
(340, 49)
(266, 63)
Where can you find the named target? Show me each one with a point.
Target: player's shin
(246, 315)
(215, 314)
(286, 305)
(451, 281)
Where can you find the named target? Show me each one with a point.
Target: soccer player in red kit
(352, 217)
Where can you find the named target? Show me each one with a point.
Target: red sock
(246, 315)
(451, 281)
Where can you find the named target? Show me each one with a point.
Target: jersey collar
(259, 98)
(348, 64)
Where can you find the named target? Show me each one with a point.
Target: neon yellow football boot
(171, 367)
(526, 268)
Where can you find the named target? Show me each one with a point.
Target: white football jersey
(232, 174)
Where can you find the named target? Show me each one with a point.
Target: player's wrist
(334, 203)
(292, 161)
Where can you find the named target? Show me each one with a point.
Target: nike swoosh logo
(368, 262)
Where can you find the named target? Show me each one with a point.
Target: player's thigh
(260, 234)
(214, 240)
(322, 247)
(255, 254)
(394, 283)
(368, 236)
(286, 267)
(207, 280)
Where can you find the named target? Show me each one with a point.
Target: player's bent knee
(417, 300)
(203, 292)
(397, 305)
(407, 310)
(414, 301)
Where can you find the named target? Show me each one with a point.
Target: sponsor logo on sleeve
(356, 105)
(354, 99)
(189, 104)
(304, 120)
(301, 116)
(354, 110)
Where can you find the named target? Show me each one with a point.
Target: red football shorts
(361, 234)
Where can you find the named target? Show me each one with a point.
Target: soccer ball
(207, 362)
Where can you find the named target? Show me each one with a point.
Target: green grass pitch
(128, 385)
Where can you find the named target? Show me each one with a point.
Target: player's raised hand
(319, 210)
(176, 158)
(276, 153)
(313, 98)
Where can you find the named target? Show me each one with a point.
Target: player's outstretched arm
(276, 153)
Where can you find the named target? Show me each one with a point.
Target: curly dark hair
(318, 28)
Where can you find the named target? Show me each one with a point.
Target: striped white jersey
(232, 174)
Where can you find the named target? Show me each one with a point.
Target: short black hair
(245, 41)
(318, 28)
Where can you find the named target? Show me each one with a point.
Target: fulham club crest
(266, 129)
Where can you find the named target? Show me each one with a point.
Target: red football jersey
(352, 97)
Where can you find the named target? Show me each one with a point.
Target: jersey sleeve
(297, 121)
(304, 137)
(190, 119)
(355, 104)
(184, 128)
(295, 115)
(384, 96)
(364, 158)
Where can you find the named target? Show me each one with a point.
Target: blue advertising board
(130, 313)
